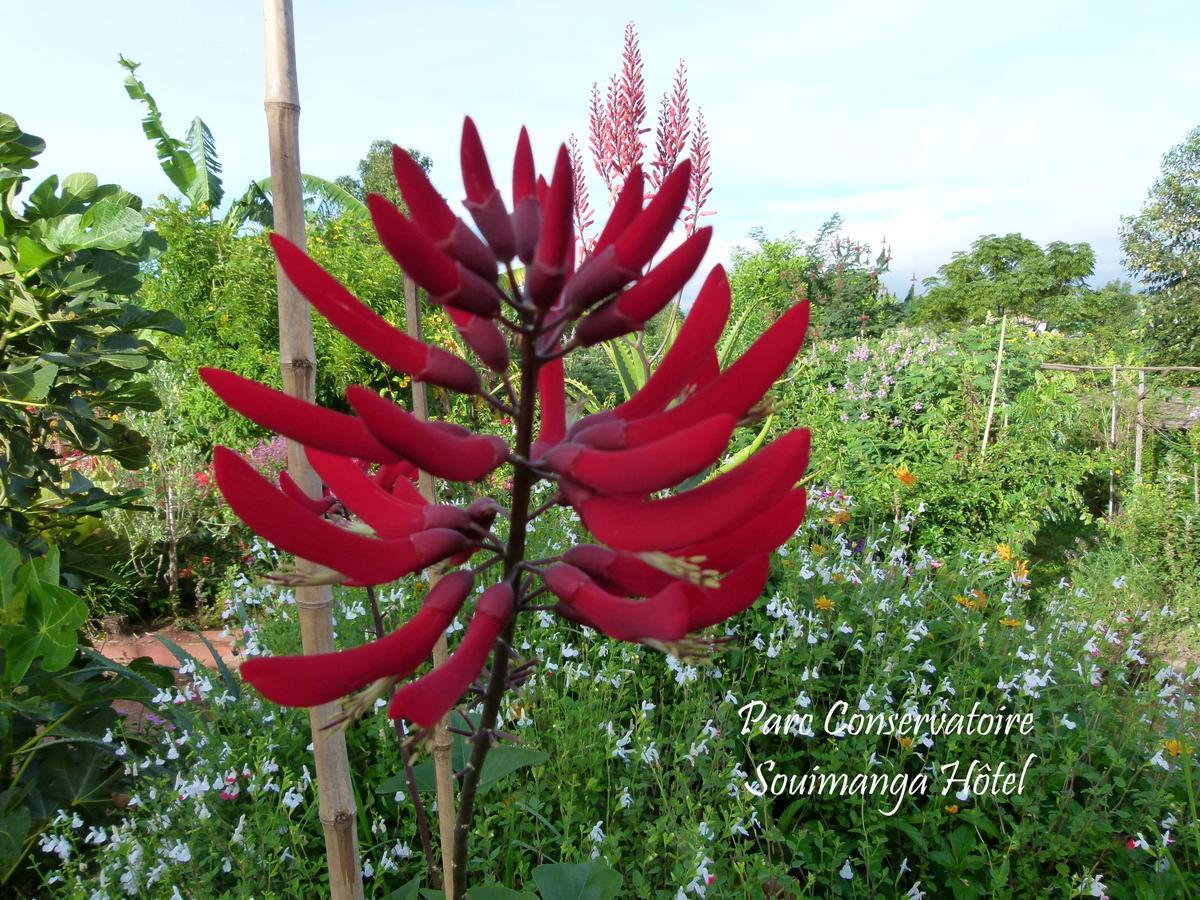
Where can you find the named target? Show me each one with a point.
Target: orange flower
(824, 604)
(1004, 551)
(905, 476)
(952, 809)
(841, 517)
(1010, 623)
(905, 742)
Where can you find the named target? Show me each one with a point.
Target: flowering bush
(646, 766)
(667, 568)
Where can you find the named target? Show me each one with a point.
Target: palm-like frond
(206, 185)
(173, 155)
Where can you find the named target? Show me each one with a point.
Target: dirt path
(123, 648)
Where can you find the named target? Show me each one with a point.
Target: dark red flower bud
(544, 277)
(444, 452)
(433, 216)
(738, 591)
(626, 572)
(323, 677)
(368, 329)
(760, 534)
(483, 337)
(387, 516)
(292, 490)
(293, 529)
(695, 515)
(663, 617)
(428, 698)
(740, 386)
(633, 308)
(641, 240)
(448, 282)
(306, 423)
(649, 468)
(483, 199)
(527, 212)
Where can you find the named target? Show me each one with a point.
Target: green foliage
(73, 348)
(1009, 274)
(191, 164)
(56, 714)
(835, 273)
(375, 173)
(1162, 248)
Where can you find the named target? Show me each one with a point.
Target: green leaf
(501, 761)
(577, 881)
(110, 226)
(14, 828)
(29, 383)
(53, 617)
(206, 187)
(173, 155)
(406, 891)
(498, 892)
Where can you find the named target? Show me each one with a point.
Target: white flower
(1067, 723)
(915, 892)
(597, 833)
(847, 872)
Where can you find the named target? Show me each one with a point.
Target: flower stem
(523, 480)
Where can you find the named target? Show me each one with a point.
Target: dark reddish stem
(523, 479)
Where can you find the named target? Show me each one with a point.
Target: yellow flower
(964, 602)
(906, 742)
(905, 476)
(979, 595)
(1004, 551)
(837, 577)
(841, 517)
(952, 809)
(1010, 623)
(1174, 746)
(824, 604)
(817, 549)
(1021, 570)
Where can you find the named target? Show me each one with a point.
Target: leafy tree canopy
(375, 173)
(1009, 274)
(1162, 248)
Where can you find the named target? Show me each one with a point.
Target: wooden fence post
(335, 794)
(987, 428)
(1112, 443)
(1139, 427)
(443, 743)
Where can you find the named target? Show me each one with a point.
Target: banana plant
(194, 169)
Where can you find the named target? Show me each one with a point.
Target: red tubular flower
(545, 276)
(483, 200)
(433, 216)
(702, 512)
(663, 617)
(306, 423)
(444, 452)
(527, 212)
(625, 572)
(737, 592)
(292, 528)
(368, 329)
(673, 564)
(636, 306)
(649, 468)
(448, 282)
(760, 534)
(323, 677)
(430, 697)
(483, 337)
(387, 516)
(293, 491)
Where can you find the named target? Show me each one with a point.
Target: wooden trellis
(1178, 412)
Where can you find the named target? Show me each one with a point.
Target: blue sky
(928, 123)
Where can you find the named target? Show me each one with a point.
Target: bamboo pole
(987, 428)
(1112, 443)
(335, 794)
(1139, 435)
(443, 743)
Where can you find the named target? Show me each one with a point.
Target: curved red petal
(757, 535)
(306, 423)
(318, 507)
(428, 698)
(738, 591)
(368, 329)
(641, 239)
(413, 251)
(663, 617)
(442, 452)
(698, 514)
(291, 528)
(624, 211)
(310, 680)
(428, 208)
(477, 174)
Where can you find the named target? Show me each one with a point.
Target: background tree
(1162, 248)
(375, 173)
(1009, 274)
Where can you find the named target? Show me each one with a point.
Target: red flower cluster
(664, 567)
